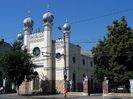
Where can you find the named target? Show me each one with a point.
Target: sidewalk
(54, 96)
(60, 96)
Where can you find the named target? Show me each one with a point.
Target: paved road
(59, 96)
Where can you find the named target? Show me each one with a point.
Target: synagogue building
(56, 60)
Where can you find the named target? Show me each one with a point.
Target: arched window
(91, 64)
(83, 76)
(74, 59)
(83, 61)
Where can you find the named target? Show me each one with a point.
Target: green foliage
(113, 56)
(16, 64)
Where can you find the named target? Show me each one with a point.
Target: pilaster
(27, 32)
(48, 51)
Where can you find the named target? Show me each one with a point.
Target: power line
(85, 42)
(102, 16)
(98, 17)
(9, 37)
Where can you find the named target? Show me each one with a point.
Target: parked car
(114, 89)
(121, 89)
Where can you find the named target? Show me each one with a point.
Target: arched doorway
(36, 82)
(74, 82)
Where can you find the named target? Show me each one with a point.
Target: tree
(17, 65)
(113, 56)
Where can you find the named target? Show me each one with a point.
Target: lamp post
(65, 70)
(66, 34)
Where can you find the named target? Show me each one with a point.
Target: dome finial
(66, 20)
(20, 36)
(29, 13)
(48, 7)
(66, 26)
(28, 22)
(48, 17)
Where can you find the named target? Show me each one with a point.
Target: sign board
(65, 71)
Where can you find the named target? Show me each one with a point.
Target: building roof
(4, 46)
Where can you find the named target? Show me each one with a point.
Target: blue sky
(83, 33)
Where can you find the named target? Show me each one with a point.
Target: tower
(48, 19)
(28, 23)
(66, 33)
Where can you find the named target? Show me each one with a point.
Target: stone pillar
(131, 86)
(105, 87)
(86, 86)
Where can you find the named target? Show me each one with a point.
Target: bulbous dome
(48, 17)
(20, 36)
(66, 26)
(28, 22)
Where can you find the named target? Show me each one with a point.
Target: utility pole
(66, 34)
(64, 70)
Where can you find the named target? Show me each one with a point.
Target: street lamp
(65, 70)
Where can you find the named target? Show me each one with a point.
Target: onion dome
(48, 17)
(20, 36)
(28, 22)
(66, 26)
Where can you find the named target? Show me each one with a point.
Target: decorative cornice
(37, 37)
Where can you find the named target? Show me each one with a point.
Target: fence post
(86, 87)
(105, 87)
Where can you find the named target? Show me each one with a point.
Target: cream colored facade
(49, 67)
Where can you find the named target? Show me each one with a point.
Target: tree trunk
(18, 90)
